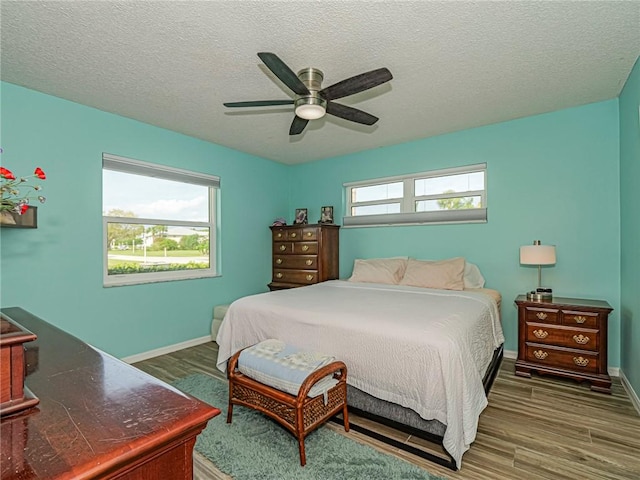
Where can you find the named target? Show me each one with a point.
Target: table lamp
(539, 255)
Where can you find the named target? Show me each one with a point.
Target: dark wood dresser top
(97, 415)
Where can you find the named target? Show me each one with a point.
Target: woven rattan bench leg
(345, 417)
(303, 455)
(230, 408)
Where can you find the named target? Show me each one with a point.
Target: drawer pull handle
(279, 234)
(580, 319)
(283, 248)
(294, 234)
(279, 275)
(279, 261)
(541, 315)
(308, 262)
(541, 355)
(309, 234)
(581, 362)
(309, 277)
(541, 333)
(305, 248)
(581, 339)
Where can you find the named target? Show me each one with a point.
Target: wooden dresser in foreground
(304, 255)
(98, 418)
(566, 337)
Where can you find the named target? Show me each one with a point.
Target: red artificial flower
(40, 174)
(7, 174)
(24, 208)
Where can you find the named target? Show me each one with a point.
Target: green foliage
(122, 233)
(190, 242)
(456, 203)
(204, 247)
(162, 243)
(127, 268)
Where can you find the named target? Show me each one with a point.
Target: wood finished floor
(538, 428)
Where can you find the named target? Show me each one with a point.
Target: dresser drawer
(541, 314)
(296, 276)
(300, 262)
(573, 318)
(309, 234)
(295, 234)
(305, 248)
(562, 336)
(577, 361)
(279, 234)
(283, 248)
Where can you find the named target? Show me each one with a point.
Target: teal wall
(55, 271)
(551, 177)
(630, 227)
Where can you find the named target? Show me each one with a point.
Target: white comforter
(421, 348)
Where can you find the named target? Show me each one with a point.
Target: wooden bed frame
(445, 460)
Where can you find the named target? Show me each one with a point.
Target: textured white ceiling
(456, 64)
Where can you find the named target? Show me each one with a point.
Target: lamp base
(540, 295)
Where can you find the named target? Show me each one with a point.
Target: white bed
(424, 349)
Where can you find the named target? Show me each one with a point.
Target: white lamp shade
(538, 255)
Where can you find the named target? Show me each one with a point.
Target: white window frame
(137, 167)
(408, 214)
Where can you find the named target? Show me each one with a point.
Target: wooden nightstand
(566, 337)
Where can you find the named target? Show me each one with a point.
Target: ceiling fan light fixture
(310, 108)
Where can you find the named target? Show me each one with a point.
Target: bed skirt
(408, 421)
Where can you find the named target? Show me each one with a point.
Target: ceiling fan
(310, 100)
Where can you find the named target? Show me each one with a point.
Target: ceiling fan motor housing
(312, 106)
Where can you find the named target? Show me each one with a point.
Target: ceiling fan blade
(283, 72)
(297, 126)
(350, 113)
(357, 84)
(258, 103)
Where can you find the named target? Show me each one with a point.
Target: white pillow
(472, 276)
(379, 270)
(443, 274)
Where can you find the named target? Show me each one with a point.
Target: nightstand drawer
(306, 277)
(580, 361)
(562, 336)
(579, 319)
(296, 261)
(541, 314)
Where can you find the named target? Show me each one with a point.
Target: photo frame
(301, 216)
(326, 214)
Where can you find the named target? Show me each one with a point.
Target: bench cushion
(284, 367)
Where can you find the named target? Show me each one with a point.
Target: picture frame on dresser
(301, 217)
(326, 214)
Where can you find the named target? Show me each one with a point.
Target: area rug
(255, 447)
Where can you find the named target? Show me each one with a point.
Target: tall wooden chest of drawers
(566, 337)
(304, 255)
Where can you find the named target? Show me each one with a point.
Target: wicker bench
(299, 414)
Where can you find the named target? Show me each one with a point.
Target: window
(454, 195)
(158, 222)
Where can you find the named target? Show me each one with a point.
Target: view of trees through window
(139, 248)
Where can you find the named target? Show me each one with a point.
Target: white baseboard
(168, 349)
(613, 371)
(632, 393)
(510, 354)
